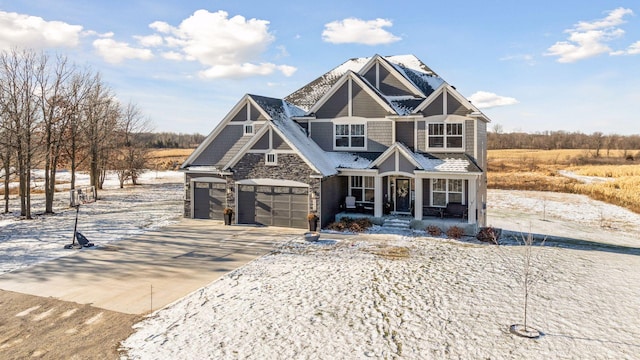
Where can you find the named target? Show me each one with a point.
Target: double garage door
(272, 205)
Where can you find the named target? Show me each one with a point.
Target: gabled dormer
(233, 132)
(351, 96)
(385, 77)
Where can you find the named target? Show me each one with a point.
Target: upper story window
(350, 136)
(445, 136)
(248, 129)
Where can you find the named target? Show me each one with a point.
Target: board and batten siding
(435, 108)
(322, 134)
(337, 105)
(278, 143)
(454, 107)
(363, 105)
(390, 85)
(405, 133)
(230, 138)
(379, 135)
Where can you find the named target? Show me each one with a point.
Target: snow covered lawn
(388, 296)
(378, 295)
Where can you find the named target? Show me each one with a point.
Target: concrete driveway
(149, 271)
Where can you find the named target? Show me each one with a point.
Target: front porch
(415, 224)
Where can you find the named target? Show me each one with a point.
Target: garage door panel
(209, 200)
(276, 205)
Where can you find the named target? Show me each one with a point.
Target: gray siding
(405, 165)
(255, 114)
(262, 144)
(322, 134)
(241, 115)
(379, 135)
(390, 85)
(422, 140)
(364, 105)
(371, 76)
(482, 145)
(388, 165)
(334, 190)
(454, 107)
(435, 108)
(405, 133)
(187, 190)
(426, 193)
(279, 144)
(336, 106)
(229, 139)
(469, 137)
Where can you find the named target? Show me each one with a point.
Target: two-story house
(384, 131)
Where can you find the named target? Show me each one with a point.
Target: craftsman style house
(380, 135)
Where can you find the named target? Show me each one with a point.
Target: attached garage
(272, 202)
(209, 198)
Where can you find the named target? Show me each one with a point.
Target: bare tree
(527, 270)
(131, 152)
(20, 71)
(55, 118)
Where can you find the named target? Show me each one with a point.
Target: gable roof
(280, 113)
(408, 68)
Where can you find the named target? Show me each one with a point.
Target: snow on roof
(347, 160)
(409, 66)
(308, 95)
(281, 112)
(446, 163)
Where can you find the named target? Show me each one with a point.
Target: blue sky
(529, 65)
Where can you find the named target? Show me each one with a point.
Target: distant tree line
(169, 140)
(54, 114)
(550, 140)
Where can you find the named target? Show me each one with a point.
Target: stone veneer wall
(289, 167)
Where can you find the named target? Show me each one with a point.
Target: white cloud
(486, 100)
(32, 31)
(589, 39)
(359, 31)
(172, 55)
(526, 58)
(229, 47)
(150, 40)
(115, 52)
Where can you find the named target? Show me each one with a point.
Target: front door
(403, 195)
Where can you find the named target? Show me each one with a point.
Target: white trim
(208, 179)
(432, 182)
(272, 182)
(377, 60)
(248, 126)
(349, 122)
(444, 147)
(274, 160)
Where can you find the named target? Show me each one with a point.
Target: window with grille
(445, 136)
(362, 188)
(444, 191)
(350, 136)
(271, 159)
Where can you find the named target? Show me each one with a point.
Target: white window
(350, 136)
(271, 159)
(445, 136)
(248, 129)
(362, 188)
(444, 191)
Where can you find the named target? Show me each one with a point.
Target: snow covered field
(119, 213)
(379, 295)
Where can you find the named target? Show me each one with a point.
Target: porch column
(417, 202)
(377, 193)
(473, 201)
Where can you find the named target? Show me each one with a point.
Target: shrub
(434, 230)
(455, 232)
(489, 234)
(353, 225)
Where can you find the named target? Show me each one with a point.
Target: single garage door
(285, 206)
(208, 200)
